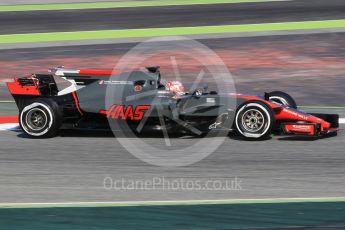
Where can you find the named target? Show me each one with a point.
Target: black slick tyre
(254, 120)
(40, 118)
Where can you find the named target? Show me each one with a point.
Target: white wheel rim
(36, 119)
(252, 120)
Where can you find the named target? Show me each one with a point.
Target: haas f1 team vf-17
(45, 106)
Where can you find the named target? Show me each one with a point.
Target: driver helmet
(175, 87)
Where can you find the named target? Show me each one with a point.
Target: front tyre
(40, 118)
(255, 120)
(283, 98)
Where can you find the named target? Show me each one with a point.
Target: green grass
(174, 31)
(99, 5)
(199, 216)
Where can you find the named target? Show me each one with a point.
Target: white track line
(172, 202)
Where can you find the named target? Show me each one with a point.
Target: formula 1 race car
(80, 99)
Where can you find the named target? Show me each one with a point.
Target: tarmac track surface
(171, 16)
(74, 165)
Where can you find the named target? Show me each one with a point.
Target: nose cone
(325, 125)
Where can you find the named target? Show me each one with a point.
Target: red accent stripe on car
(76, 102)
(8, 119)
(98, 72)
(104, 112)
(249, 97)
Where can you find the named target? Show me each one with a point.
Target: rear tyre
(40, 118)
(255, 120)
(283, 98)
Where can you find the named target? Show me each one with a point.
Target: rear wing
(34, 85)
(45, 84)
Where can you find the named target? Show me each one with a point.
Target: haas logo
(122, 112)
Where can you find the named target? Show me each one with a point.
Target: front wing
(313, 129)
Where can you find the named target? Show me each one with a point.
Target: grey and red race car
(94, 99)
